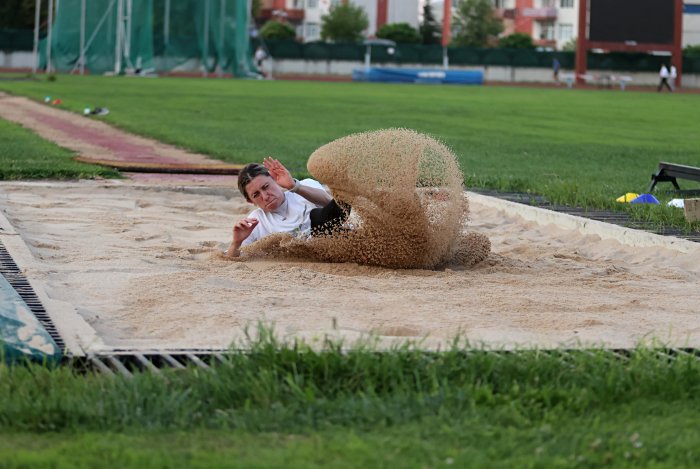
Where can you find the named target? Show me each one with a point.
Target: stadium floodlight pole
(49, 37)
(205, 42)
(446, 28)
(82, 37)
(35, 49)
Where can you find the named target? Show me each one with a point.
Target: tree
(19, 14)
(516, 41)
(475, 23)
(692, 50)
(429, 29)
(570, 46)
(344, 23)
(276, 30)
(255, 8)
(400, 33)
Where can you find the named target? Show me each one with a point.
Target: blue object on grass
(419, 75)
(21, 334)
(645, 199)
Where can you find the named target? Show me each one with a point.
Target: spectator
(260, 57)
(556, 66)
(664, 74)
(673, 75)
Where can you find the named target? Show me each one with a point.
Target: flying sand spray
(408, 205)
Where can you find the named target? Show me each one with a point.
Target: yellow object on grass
(629, 197)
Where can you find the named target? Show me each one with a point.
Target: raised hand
(242, 229)
(279, 173)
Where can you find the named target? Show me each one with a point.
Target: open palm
(279, 173)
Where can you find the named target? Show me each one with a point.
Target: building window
(566, 32)
(312, 31)
(312, 4)
(547, 31)
(567, 3)
(548, 3)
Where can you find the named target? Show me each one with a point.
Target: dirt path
(97, 142)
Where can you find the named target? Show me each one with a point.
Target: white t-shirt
(293, 216)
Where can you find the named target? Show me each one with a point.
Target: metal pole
(446, 30)
(677, 54)
(49, 38)
(166, 32)
(222, 13)
(368, 53)
(118, 42)
(35, 50)
(205, 41)
(82, 37)
(127, 34)
(582, 42)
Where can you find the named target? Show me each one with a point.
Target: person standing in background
(673, 75)
(260, 56)
(556, 66)
(663, 75)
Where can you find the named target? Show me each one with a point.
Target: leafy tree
(475, 23)
(255, 8)
(570, 46)
(344, 23)
(277, 30)
(19, 14)
(516, 41)
(399, 32)
(429, 29)
(692, 50)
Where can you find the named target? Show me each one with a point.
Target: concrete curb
(78, 336)
(628, 236)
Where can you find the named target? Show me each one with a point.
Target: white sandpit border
(586, 226)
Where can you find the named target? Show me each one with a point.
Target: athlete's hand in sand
(241, 230)
(279, 173)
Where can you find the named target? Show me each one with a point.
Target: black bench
(668, 172)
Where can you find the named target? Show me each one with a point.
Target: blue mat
(21, 334)
(419, 75)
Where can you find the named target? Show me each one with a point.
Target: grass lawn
(574, 146)
(24, 155)
(291, 406)
(633, 435)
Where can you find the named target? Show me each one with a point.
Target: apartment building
(305, 15)
(550, 23)
(554, 23)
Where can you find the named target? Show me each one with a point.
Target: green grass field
(286, 406)
(579, 147)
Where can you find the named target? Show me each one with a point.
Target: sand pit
(138, 265)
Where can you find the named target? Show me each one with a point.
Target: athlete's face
(265, 193)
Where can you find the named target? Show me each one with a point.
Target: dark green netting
(152, 35)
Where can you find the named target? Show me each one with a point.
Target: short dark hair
(247, 174)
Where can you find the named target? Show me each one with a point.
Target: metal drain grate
(607, 216)
(128, 363)
(19, 282)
